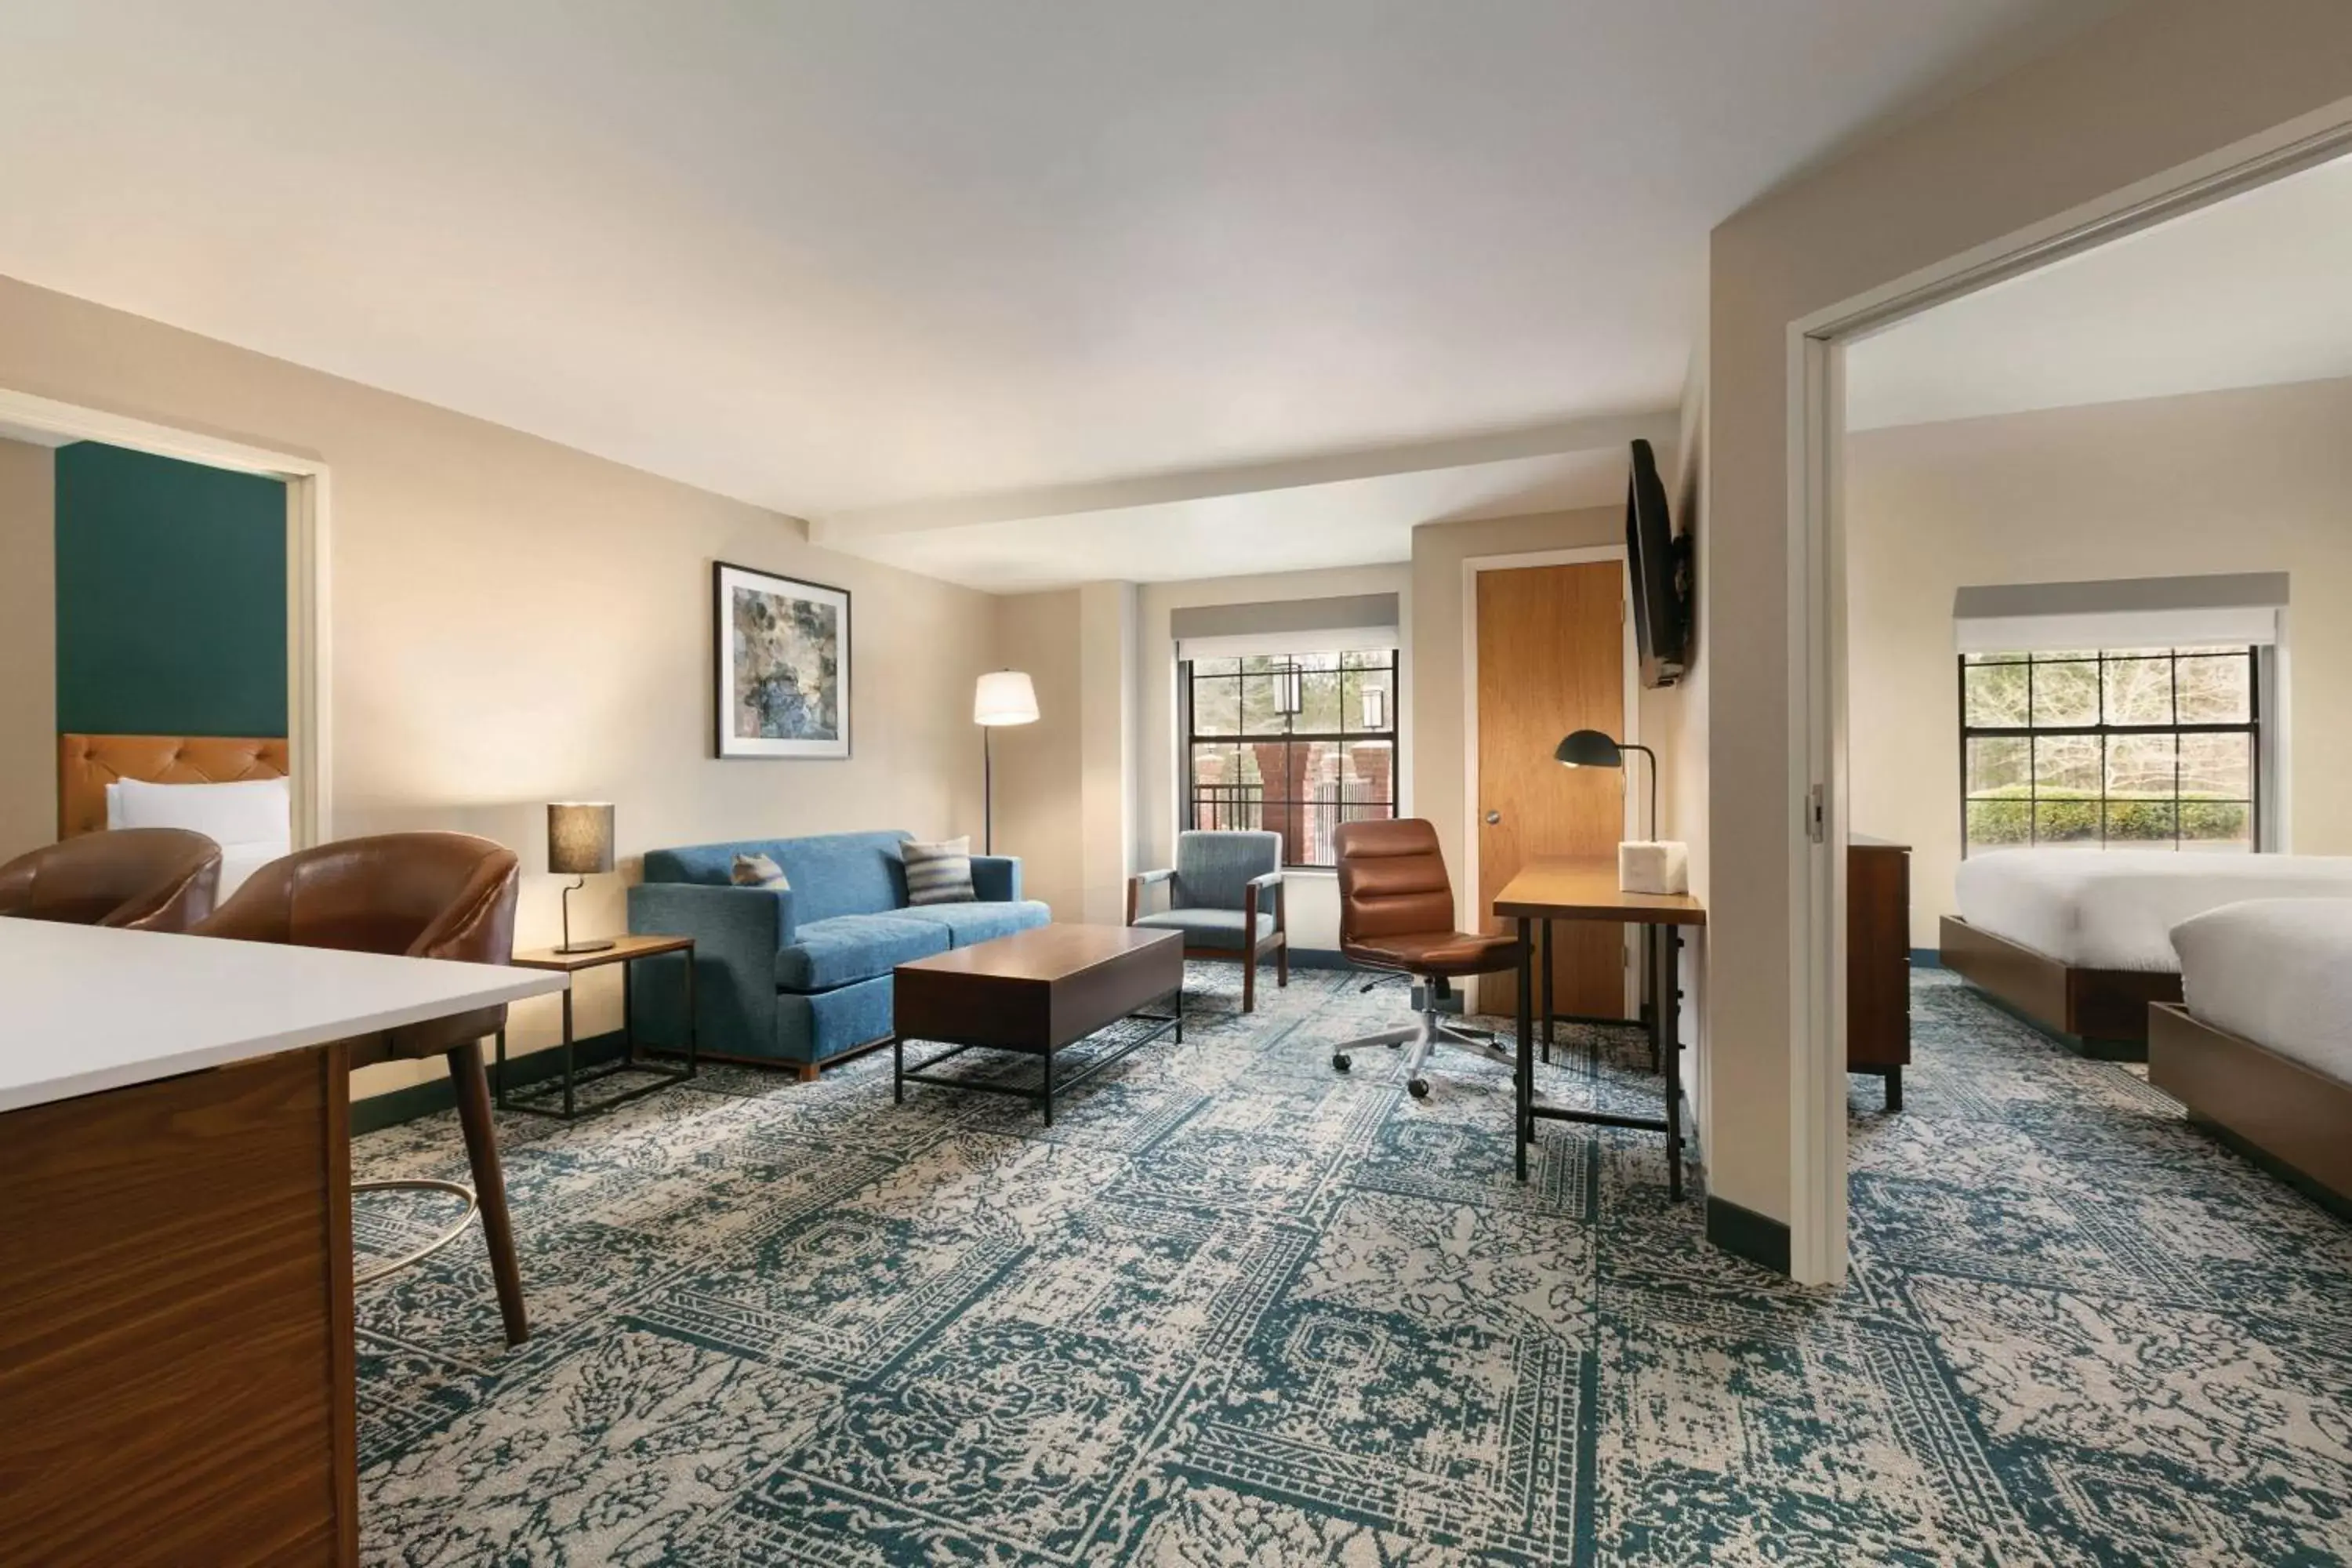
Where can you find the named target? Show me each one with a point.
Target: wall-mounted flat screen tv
(1655, 560)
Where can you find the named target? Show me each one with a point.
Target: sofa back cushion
(832, 874)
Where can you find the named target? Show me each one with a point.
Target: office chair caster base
(1339, 1060)
(1418, 1088)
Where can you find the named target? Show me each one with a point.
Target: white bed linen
(2114, 909)
(243, 861)
(250, 820)
(2277, 972)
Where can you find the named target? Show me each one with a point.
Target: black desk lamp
(1591, 749)
(579, 844)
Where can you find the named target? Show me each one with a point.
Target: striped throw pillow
(939, 873)
(759, 871)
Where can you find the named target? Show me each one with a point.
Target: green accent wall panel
(170, 596)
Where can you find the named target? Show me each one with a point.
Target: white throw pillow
(257, 813)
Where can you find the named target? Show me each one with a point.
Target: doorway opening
(111, 458)
(1986, 791)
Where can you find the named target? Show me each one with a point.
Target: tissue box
(1657, 867)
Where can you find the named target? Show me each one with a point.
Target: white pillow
(114, 803)
(256, 814)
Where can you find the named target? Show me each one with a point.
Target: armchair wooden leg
(1282, 965)
(473, 1087)
(1249, 978)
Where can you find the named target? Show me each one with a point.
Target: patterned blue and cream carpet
(1234, 1309)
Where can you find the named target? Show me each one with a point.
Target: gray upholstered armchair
(1224, 893)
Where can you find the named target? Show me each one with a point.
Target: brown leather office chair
(1396, 913)
(421, 895)
(135, 878)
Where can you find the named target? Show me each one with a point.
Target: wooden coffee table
(1036, 991)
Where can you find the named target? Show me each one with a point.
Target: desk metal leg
(628, 1019)
(1523, 1081)
(567, 1049)
(1653, 939)
(1666, 1047)
(1547, 1026)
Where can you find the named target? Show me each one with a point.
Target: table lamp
(579, 844)
(1648, 865)
(1002, 696)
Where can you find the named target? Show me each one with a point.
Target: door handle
(1494, 819)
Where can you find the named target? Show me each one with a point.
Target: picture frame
(780, 658)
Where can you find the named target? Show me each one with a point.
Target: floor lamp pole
(987, 790)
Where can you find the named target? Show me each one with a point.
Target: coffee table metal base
(1048, 1085)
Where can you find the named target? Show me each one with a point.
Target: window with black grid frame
(1292, 744)
(2140, 748)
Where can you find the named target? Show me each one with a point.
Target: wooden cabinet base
(175, 1321)
(1878, 962)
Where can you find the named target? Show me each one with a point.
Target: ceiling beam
(1660, 428)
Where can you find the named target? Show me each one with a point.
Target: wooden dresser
(1878, 960)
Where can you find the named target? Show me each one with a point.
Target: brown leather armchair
(1396, 913)
(135, 878)
(421, 895)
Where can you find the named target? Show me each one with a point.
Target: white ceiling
(833, 257)
(2251, 291)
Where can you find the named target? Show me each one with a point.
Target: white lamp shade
(1004, 697)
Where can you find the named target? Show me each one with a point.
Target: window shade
(2136, 611)
(1353, 623)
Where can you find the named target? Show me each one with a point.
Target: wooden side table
(625, 950)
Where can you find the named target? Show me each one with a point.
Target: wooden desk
(176, 1380)
(1557, 887)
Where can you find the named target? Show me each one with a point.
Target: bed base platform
(2100, 1013)
(2289, 1119)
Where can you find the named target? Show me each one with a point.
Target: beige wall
(1040, 767)
(28, 647)
(1312, 898)
(2254, 480)
(515, 622)
(2160, 85)
(1108, 626)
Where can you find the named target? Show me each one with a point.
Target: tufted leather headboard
(88, 764)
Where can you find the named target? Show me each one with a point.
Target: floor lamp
(1002, 696)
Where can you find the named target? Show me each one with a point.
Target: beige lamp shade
(579, 838)
(1004, 697)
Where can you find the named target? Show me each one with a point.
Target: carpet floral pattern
(1236, 1309)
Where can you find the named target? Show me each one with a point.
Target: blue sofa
(802, 975)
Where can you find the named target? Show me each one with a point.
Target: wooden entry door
(1551, 658)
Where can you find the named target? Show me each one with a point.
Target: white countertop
(84, 1009)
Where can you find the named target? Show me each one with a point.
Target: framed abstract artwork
(783, 664)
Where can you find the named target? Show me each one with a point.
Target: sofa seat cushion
(829, 952)
(968, 923)
(1207, 928)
